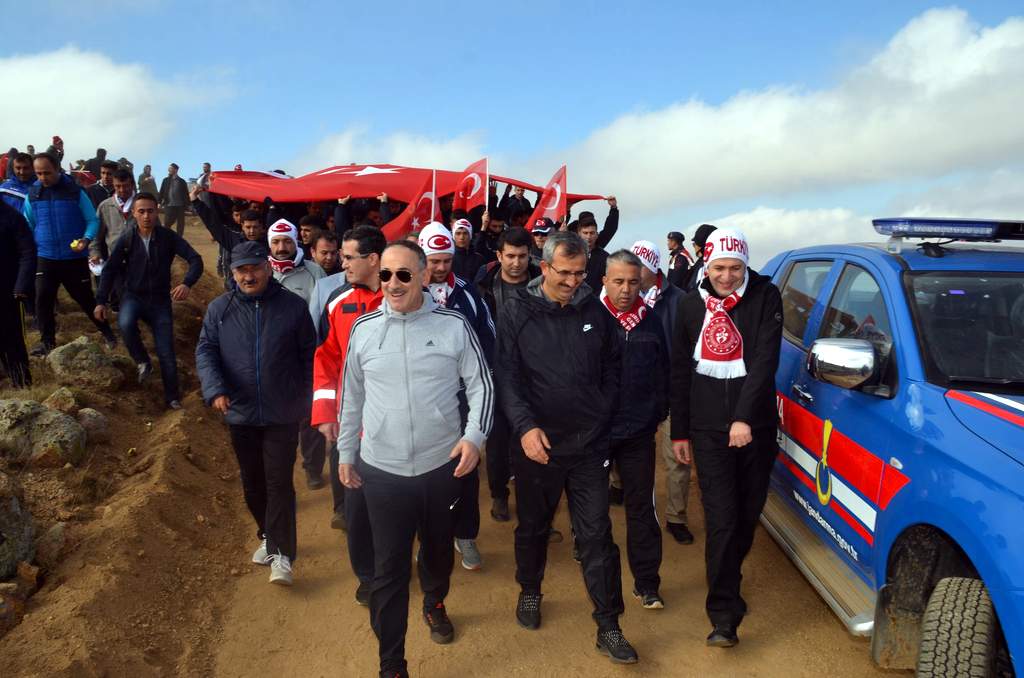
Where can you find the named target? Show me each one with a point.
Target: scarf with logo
(719, 350)
(630, 318)
(442, 290)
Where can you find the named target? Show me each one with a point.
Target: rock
(37, 434)
(50, 545)
(28, 578)
(83, 363)
(97, 430)
(15, 525)
(62, 400)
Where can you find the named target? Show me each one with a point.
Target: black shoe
(528, 610)
(649, 599)
(499, 510)
(441, 629)
(363, 593)
(42, 348)
(394, 673)
(615, 495)
(723, 636)
(110, 340)
(681, 533)
(614, 644)
(314, 480)
(576, 551)
(338, 521)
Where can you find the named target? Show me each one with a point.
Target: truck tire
(958, 631)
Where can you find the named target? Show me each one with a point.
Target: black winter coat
(258, 351)
(147, 274)
(558, 368)
(485, 284)
(17, 253)
(702, 403)
(643, 388)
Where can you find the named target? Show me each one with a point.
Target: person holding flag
(724, 356)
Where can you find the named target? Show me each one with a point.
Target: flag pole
(487, 185)
(433, 194)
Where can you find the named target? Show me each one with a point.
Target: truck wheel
(958, 631)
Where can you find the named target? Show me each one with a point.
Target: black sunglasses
(402, 275)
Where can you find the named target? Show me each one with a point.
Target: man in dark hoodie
(558, 371)
(485, 243)
(18, 256)
(466, 262)
(586, 226)
(696, 273)
(725, 354)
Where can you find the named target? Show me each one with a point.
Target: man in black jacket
(174, 199)
(679, 259)
(596, 242)
(643, 405)
(485, 243)
(497, 282)
(255, 362)
(17, 272)
(104, 186)
(252, 227)
(558, 373)
(696, 272)
(725, 354)
(141, 262)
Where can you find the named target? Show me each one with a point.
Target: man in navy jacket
(255, 362)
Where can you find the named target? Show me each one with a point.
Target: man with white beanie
(725, 353)
(287, 262)
(466, 263)
(453, 293)
(662, 296)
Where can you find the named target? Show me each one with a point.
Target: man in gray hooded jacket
(401, 380)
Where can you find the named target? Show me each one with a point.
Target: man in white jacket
(402, 377)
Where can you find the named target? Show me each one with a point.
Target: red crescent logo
(439, 242)
(709, 249)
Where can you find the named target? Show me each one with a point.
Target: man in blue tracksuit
(63, 222)
(456, 294)
(14, 190)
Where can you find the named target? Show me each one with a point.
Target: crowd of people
(400, 364)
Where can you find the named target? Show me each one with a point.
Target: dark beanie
(701, 236)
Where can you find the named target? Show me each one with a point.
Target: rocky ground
(142, 546)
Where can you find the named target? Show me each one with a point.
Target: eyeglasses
(568, 274)
(350, 257)
(402, 275)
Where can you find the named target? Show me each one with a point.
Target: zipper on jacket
(259, 394)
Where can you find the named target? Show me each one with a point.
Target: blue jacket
(643, 387)
(14, 192)
(467, 302)
(59, 215)
(258, 351)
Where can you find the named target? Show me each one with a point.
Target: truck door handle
(803, 393)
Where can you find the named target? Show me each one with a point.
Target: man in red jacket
(361, 249)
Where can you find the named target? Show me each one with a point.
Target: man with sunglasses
(455, 294)
(558, 363)
(402, 441)
(359, 293)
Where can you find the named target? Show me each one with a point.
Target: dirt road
(316, 628)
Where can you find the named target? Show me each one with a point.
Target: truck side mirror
(846, 363)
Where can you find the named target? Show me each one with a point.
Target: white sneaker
(260, 555)
(280, 570)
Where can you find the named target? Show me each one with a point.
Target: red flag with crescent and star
(420, 212)
(472, 188)
(552, 203)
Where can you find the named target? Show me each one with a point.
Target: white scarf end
(730, 369)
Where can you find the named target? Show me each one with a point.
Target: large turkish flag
(552, 202)
(472, 187)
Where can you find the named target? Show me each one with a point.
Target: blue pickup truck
(898, 489)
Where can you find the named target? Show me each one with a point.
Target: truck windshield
(971, 326)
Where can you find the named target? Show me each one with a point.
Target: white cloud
(90, 101)
(358, 145)
(995, 195)
(944, 95)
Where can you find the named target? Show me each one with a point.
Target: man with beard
(288, 263)
(453, 293)
(15, 190)
(147, 184)
(558, 369)
(496, 283)
(724, 417)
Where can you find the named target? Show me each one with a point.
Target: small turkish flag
(472, 187)
(418, 214)
(552, 203)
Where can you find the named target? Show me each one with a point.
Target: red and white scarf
(651, 296)
(125, 205)
(630, 318)
(287, 265)
(442, 290)
(719, 350)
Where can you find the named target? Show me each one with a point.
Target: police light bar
(958, 229)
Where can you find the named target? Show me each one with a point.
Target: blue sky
(530, 85)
